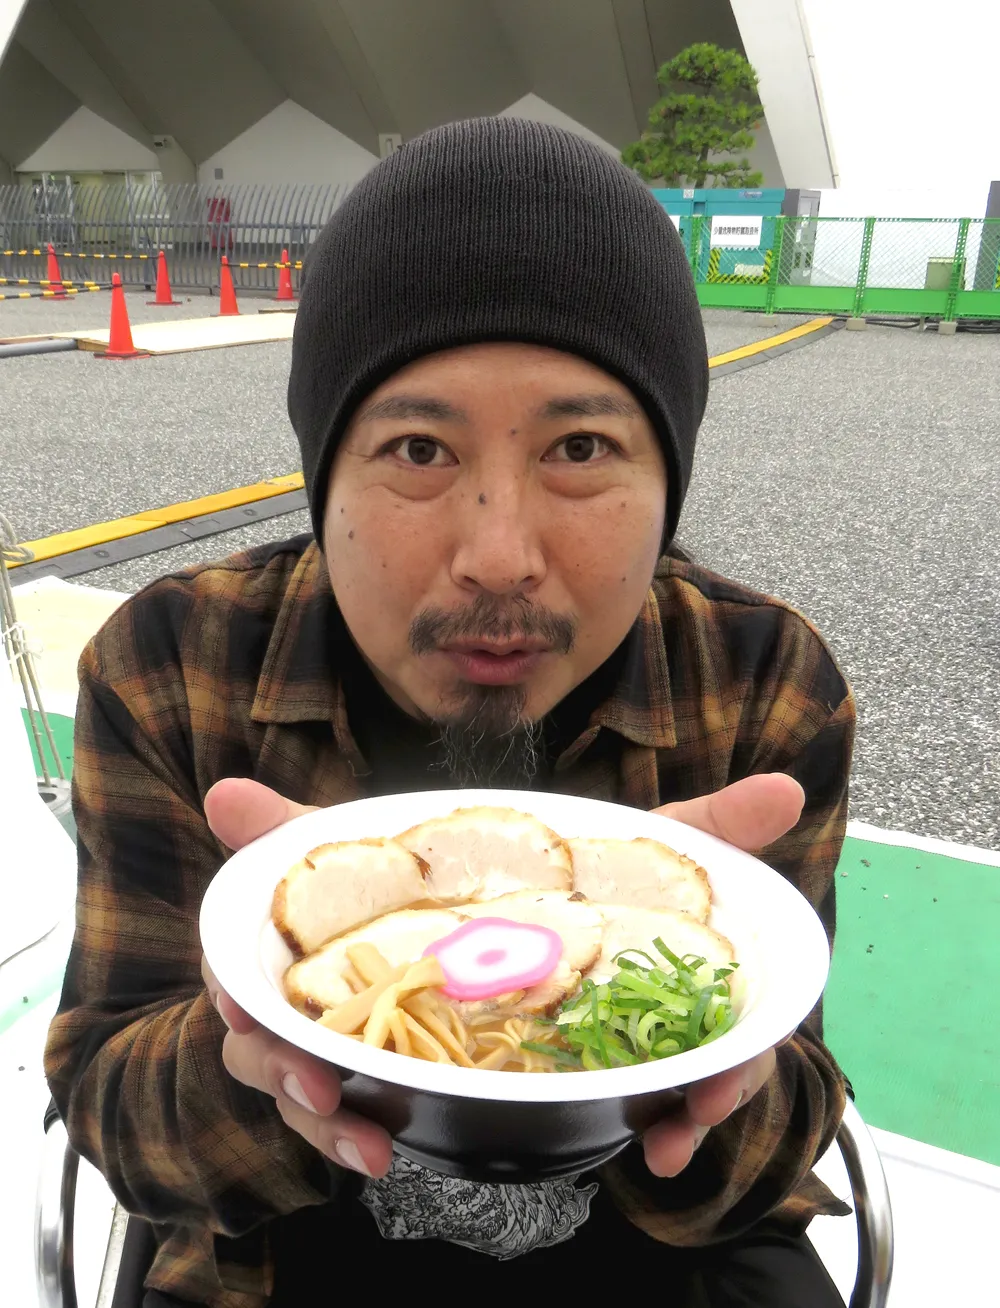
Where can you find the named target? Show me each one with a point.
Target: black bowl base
(514, 1169)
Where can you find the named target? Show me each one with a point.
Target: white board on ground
(197, 333)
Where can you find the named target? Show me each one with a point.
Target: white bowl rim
(238, 900)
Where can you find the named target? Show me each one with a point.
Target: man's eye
(583, 447)
(421, 451)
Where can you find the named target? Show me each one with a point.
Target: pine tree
(694, 132)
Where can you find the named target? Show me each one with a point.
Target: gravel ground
(84, 440)
(728, 329)
(855, 478)
(135, 436)
(83, 312)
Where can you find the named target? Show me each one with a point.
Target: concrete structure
(316, 90)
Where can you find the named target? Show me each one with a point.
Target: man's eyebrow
(597, 405)
(412, 406)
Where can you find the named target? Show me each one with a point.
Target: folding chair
(57, 1192)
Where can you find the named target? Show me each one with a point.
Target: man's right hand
(306, 1089)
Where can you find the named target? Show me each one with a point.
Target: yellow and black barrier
(69, 254)
(86, 284)
(296, 265)
(51, 295)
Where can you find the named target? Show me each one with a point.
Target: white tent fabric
(37, 857)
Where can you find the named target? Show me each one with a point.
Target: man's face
(494, 518)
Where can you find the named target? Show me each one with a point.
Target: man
(498, 374)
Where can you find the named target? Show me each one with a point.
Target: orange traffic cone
(164, 295)
(227, 292)
(120, 343)
(285, 291)
(55, 276)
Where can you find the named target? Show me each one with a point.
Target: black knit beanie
(497, 229)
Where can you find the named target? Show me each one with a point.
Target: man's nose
(499, 543)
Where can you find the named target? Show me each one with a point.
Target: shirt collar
(641, 707)
(298, 681)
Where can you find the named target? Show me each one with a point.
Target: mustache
(487, 618)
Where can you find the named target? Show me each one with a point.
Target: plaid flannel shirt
(225, 670)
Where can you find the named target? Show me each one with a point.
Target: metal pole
(772, 281)
(696, 225)
(866, 254)
(957, 270)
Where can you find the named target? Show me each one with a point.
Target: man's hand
(749, 814)
(305, 1089)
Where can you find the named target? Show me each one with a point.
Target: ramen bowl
(510, 1126)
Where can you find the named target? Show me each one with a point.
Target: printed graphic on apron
(413, 1203)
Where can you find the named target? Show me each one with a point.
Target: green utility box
(939, 274)
(728, 249)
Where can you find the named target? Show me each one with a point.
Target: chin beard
(488, 743)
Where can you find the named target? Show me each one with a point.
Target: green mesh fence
(944, 268)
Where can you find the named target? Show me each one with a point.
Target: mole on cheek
(513, 431)
(350, 535)
(482, 499)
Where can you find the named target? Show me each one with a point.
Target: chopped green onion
(560, 1055)
(624, 961)
(641, 1013)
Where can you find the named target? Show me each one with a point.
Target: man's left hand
(749, 814)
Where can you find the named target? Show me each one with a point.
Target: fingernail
(291, 1087)
(348, 1153)
(739, 1099)
(699, 1135)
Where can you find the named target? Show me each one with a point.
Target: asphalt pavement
(856, 478)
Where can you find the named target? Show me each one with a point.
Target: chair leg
(54, 1208)
(872, 1211)
(138, 1251)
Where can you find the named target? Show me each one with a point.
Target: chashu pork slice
(578, 924)
(481, 853)
(637, 928)
(337, 887)
(642, 873)
(317, 982)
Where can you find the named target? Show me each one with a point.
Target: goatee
(485, 739)
(488, 743)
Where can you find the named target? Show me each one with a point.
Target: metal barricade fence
(100, 229)
(933, 267)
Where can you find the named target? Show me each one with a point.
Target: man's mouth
(495, 663)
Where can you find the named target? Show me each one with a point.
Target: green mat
(911, 1013)
(910, 1008)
